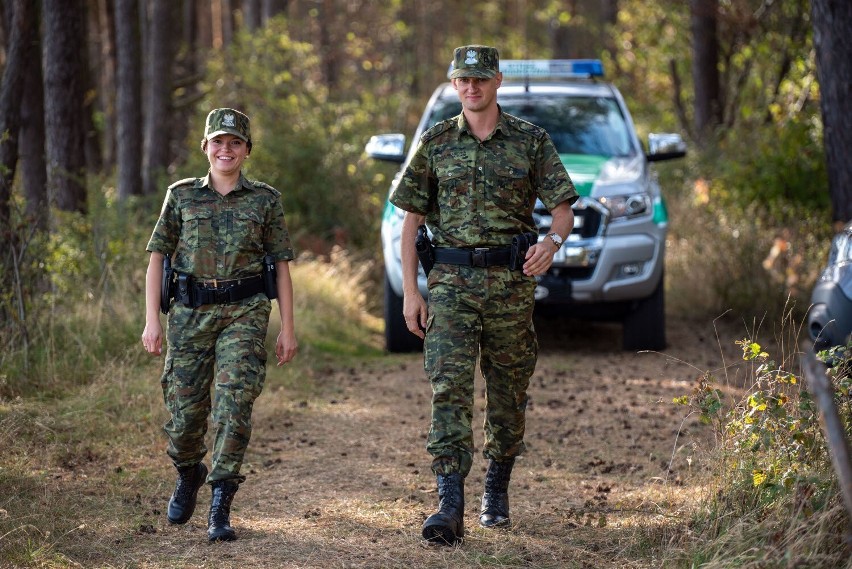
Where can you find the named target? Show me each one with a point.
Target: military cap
(227, 121)
(475, 61)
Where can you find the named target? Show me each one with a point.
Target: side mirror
(665, 146)
(389, 147)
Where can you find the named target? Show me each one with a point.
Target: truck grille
(589, 218)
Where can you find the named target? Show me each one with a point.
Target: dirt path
(340, 477)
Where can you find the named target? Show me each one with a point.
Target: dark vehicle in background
(830, 314)
(612, 264)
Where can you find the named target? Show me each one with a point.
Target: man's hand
(539, 258)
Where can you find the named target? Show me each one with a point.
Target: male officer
(473, 180)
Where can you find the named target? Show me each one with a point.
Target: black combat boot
(219, 521)
(182, 502)
(495, 500)
(446, 527)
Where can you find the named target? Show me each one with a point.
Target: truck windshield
(577, 125)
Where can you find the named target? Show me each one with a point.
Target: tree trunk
(705, 66)
(64, 73)
(31, 138)
(128, 98)
(106, 78)
(272, 8)
(252, 14)
(21, 31)
(832, 22)
(158, 87)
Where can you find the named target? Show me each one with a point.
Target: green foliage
(773, 469)
(306, 145)
(778, 166)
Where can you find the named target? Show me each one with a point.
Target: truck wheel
(397, 337)
(645, 325)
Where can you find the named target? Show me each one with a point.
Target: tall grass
(773, 499)
(88, 408)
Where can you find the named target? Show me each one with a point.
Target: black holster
(520, 245)
(425, 249)
(270, 277)
(167, 290)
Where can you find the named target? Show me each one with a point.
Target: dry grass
(337, 471)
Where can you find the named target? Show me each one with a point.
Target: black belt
(225, 293)
(478, 257)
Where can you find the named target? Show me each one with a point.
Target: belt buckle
(478, 257)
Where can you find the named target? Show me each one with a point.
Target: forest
(102, 106)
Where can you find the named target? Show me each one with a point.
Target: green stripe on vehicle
(661, 214)
(584, 169)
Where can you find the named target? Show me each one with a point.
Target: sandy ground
(339, 477)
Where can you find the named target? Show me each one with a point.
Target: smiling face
(226, 153)
(477, 94)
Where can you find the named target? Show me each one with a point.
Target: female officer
(216, 231)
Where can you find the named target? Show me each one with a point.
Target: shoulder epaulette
(525, 126)
(184, 182)
(437, 129)
(265, 186)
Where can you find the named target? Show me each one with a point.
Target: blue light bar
(551, 68)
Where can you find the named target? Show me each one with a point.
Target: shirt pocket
(512, 189)
(248, 230)
(197, 230)
(453, 186)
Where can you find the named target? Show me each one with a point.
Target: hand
(415, 312)
(539, 258)
(285, 348)
(152, 338)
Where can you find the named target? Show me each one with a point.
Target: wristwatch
(557, 240)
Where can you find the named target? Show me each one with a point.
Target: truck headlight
(627, 206)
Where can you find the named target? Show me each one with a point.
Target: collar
(501, 126)
(242, 182)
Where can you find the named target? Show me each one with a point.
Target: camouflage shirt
(212, 236)
(481, 194)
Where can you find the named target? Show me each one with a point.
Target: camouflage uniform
(480, 194)
(211, 236)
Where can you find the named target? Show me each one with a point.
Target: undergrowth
(774, 500)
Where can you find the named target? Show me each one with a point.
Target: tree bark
(106, 78)
(64, 73)
(158, 87)
(21, 32)
(31, 137)
(252, 14)
(705, 66)
(833, 43)
(128, 98)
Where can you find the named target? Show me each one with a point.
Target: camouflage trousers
(483, 313)
(219, 347)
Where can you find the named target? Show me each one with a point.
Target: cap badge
(471, 57)
(228, 120)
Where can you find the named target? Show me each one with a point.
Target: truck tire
(398, 339)
(645, 325)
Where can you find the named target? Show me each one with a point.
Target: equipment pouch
(166, 285)
(425, 249)
(520, 245)
(184, 292)
(270, 277)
